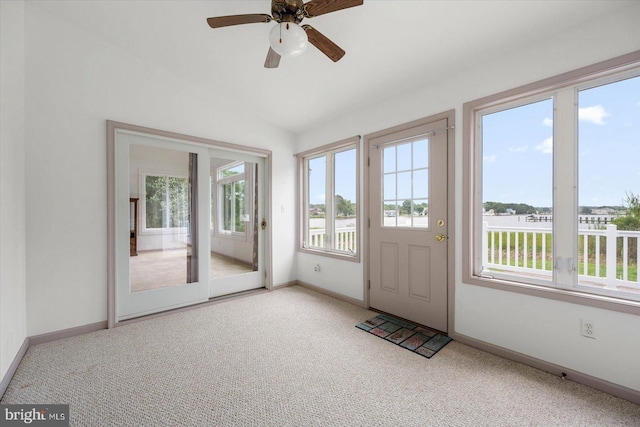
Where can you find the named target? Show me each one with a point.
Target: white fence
(527, 250)
(345, 239)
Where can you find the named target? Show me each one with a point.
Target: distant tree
(586, 210)
(406, 207)
(496, 207)
(344, 207)
(631, 221)
(518, 208)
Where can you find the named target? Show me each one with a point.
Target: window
(609, 185)
(517, 190)
(406, 184)
(552, 186)
(166, 202)
(329, 198)
(232, 191)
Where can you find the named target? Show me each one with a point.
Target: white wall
(76, 81)
(13, 310)
(545, 329)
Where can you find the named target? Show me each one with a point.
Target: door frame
(112, 128)
(450, 117)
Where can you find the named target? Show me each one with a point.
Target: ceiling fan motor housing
(287, 10)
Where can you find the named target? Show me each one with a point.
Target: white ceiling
(392, 47)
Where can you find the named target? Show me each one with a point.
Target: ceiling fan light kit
(288, 38)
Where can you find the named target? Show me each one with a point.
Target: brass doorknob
(440, 237)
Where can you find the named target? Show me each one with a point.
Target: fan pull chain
(280, 41)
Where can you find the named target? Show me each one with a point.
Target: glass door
(161, 208)
(236, 186)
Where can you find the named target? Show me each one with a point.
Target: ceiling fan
(288, 38)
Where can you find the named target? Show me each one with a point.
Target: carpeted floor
(292, 358)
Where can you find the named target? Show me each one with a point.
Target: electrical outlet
(587, 329)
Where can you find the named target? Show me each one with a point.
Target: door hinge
(368, 284)
(369, 222)
(368, 161)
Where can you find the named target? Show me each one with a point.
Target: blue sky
(518, 151)
(518, 147)
(345, 166)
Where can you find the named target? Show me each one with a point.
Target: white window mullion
(329, 201)
(565, 206)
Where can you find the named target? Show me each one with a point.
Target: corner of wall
(13, 311)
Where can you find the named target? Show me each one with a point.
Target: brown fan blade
(227, 21)
(273, 59)
(320, 7)
(326, 46)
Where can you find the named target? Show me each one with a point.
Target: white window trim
(303, 204)
(142, 190)
(564, 87)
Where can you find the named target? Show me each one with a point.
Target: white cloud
(518, 149)
(490, 159)
(593, 114)
(547, 121)
(545, 146)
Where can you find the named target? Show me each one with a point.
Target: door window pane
(234, 242)
(517, 191)
(231, 180)
(406, 184)
(161, 252)
(609, 185)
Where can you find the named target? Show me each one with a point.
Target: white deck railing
(524, 250)
(345, 238)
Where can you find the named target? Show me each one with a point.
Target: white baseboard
(599, 384)
(336, 295)
(66, 333)
(13, 367)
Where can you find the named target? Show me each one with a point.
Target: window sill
(558, 294)
(331, 254)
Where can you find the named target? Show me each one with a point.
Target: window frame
(143, 174)
(564, 88)
(303, 197)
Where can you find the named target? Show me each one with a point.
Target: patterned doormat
(422, 341)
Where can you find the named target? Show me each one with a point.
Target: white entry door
(408, 224)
